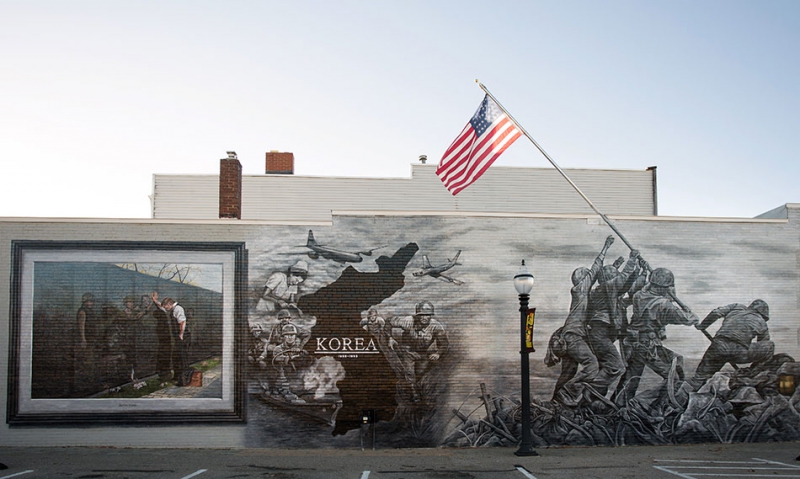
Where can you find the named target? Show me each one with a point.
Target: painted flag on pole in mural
(487, 135)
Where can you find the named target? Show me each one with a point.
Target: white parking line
(728, 468)
(696, 475)
(525, 472)
(17, 474)
(664, 469)
(756, 467)
(774, 462)
(703, 461)
(195, 473)
(365, 475)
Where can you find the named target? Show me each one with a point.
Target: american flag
(487, 135)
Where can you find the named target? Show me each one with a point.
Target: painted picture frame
(126, 332)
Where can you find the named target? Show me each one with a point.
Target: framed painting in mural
(126, 332)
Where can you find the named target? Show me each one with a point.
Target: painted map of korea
(369, 381)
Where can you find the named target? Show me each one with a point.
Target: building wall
(346, 369)
(501, 189)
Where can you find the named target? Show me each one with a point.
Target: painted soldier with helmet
(733, 342)
(283, 359)
(574, 350)
(276, 334)
(276, 346)
(282, 288)
(607, 320)
(420, 342)
(654, 307)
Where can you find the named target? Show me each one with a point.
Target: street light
(523, 282)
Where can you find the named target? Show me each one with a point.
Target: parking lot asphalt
(774, 460)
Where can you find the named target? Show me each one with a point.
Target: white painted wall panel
(193, 196)
(501, 189)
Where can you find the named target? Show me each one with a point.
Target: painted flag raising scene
(487, 134)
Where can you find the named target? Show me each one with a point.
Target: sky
(96, 97)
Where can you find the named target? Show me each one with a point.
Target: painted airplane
(333, 254)
(436, 271)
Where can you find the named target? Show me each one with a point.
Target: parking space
(242, 471)
(517, 472)
(700, 469)
(514, 472)
(707, 461)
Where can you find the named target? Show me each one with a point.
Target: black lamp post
(523, 282)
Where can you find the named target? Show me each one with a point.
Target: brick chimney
(279, 163)
(230, 187)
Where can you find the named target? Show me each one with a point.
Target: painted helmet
(761, 307)
(662, 277)
(289, 329)
(424, 308)
(300, 267)
(284, 314)
(579, 274)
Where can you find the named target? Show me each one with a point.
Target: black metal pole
(526, 442)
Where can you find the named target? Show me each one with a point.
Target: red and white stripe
(469, 156)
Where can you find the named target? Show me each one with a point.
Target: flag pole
(552, 162)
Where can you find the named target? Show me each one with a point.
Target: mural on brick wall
(423, 335)
(614, 330)
(116, 337)
(114, 333)
(330, 353)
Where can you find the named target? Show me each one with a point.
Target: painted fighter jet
(333, 254)
(436, 271)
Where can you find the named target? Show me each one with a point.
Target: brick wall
(279, 163)
(715, 263)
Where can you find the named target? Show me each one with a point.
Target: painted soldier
(733, 342)
(166, 355)
(258, 352)
(375, 325)
(281, 289)
(283, 357)
(608, 321)
(371, 322)
(89, 325)
(276, 339)
(276, 333)
(421, 342)
(654, 307)
(573, 334)
(87, 343)
(183, 338)
(128, 324)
